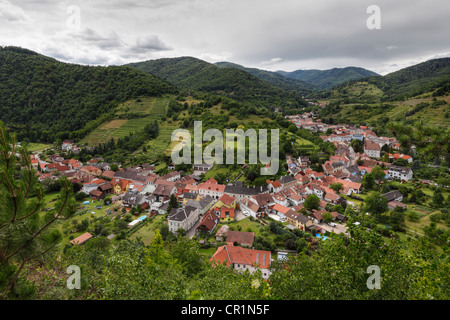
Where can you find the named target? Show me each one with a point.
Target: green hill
(430, 76)
(43, 99)
(197, 75)
(274, 78)
(326, 79)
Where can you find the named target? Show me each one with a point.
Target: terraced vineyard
(162, 144)
(148, 109)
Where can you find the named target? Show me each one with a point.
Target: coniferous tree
(26, 233)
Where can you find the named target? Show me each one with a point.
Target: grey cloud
(12, 13)
(92, 37)
(150, 43)
(288, 34)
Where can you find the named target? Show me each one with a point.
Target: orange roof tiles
(239, 255)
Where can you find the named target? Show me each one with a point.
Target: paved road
(340, 228)
(191, 232)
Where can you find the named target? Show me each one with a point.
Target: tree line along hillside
(430, 76)
(194, 74)
(275, 79)
(326, 79)
(43, 99)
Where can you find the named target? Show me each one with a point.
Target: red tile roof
(225, 210)
(82, 239)
(240, 237)
(227, 200)
(278, 207)
(239, 255)
(276, 184)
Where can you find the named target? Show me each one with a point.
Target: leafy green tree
(397, 219)
(368, 181)
(80, 196)
(327, 217)
(312, 202)
(357, 145)
(315, 275)
(337, 187)
(173, 203)
(187, 253)
(338, 208)
(26, 234)
(438, 198)
(378, 173)
(375, 203)
(401, 162)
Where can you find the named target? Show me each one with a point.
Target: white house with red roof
(243, 259)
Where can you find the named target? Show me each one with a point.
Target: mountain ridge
(327, 79)
(191, 73)
(44, 99)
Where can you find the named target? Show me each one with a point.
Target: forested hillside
(432, 75)
(194, 74)
(327, 79)
(274, 78)
(42, 99)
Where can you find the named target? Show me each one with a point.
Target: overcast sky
(273, 35)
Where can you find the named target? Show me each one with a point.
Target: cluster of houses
(344, 162)
(205, 204)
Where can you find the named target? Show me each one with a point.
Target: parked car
(332, 224)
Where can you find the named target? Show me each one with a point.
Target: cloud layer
(274, 35)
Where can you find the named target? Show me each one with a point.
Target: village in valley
(230, 221)
(224, 157)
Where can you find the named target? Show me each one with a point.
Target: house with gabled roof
(226, 201)
(214, 190)
(372, 149)
(203, 205)
(190, 196)
(394, 195)
(274, 186)
(243, 259)
(302, 178)
(288, 182)
(132, 199)
(172, 176)
(400, 173)
(120, 185)
(227, 214)
(108, 174)
(298, 220)
(182, 218)
(244, 239)
(331, 197)
(164, 190)
(81, 239)
(127, 174)
(208, 223)
(316, 215)
(240, 192)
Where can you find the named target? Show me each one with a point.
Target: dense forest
(45, 100)
(275, 79)
(327, 79)
(196, 75)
